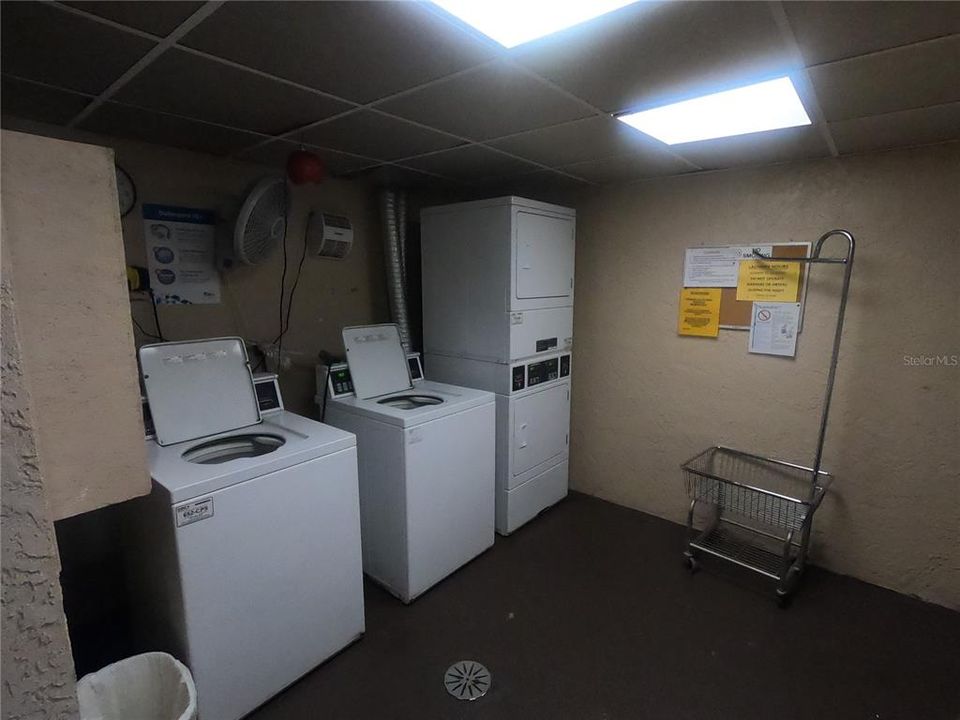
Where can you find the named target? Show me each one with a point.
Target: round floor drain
(467, 680)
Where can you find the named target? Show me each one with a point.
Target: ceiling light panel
(514, 22)
(769, 105)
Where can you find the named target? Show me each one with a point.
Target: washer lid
(456, 399)
(198, 388)
(378, 363)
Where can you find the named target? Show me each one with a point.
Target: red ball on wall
(305, 167)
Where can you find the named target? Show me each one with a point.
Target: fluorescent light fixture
(514, 22)
(768, 105)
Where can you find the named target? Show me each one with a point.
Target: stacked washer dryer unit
(426, 454)
(498, 315)
(245, 559)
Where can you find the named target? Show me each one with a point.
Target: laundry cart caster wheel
(783, 600)
(692, 564)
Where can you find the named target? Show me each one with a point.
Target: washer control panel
(339, 380)
(268, 392)
(416, 369)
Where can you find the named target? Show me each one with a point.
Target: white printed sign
(773, 329)
(713, 267)
(181, 254)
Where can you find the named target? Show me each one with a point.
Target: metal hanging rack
(760, 510)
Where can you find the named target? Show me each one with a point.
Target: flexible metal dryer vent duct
(393, 212)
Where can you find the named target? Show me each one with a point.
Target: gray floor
(588, 613)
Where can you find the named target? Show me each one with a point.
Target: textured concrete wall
(62, 234)
(645, 399)
(37, 668)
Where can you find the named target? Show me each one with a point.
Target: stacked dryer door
(498, 307)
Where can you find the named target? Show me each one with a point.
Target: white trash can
(152, 686)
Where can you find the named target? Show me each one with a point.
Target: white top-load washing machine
(426, 456)
(498, 315)
(246, 556)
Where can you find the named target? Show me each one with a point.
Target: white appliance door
(545, 252)
(541, 422)
(198, 388)
(271, 581)
(451, 468)
(378, 363)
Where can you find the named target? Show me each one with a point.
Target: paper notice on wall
(716, 266)
(768, 281)
(773, 329)
(181, 254)
(699, 312)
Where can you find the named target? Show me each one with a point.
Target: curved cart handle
(851, 245)
(848, 262)
(815, 257)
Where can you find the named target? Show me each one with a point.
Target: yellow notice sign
(699, 312)
(768, 281)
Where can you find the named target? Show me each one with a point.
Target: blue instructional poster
(181, 254)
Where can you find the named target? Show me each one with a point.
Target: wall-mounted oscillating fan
(261, 222)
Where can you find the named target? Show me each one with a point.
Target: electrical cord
(142, 331)
(323, 392)
(283, 286)
(285, 320)
(156, 317)
(293, 289)
(158, 335)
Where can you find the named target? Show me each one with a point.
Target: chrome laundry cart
(759, 510)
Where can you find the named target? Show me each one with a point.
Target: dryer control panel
(539, 372)
(543, 371)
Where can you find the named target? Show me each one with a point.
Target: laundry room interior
(474, 359)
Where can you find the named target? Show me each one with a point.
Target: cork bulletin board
(736, 314)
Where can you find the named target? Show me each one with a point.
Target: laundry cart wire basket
(759, 510)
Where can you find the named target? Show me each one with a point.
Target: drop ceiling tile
(274, 154)
(650, 53)
(772, 146)
(159, 18)
(539, 182)
(828, 31)
(626, 168)
(589, 139)
(374, 135)
(543, 185)
(471, 163)
(487, 102)
(186, 84)
(902, 79)
(902, 129)
(357, 50)
(126, 121)
(40, 102)
(41, 42)
(394, 176)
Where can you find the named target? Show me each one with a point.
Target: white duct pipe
(393, 211)
(402, 227)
